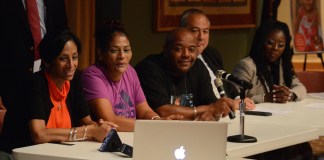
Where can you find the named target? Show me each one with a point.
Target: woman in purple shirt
(111, 86)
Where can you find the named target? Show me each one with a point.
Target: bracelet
(70, 135)
(154, 118)
(84, 135)
(74, 134)
(195, 111)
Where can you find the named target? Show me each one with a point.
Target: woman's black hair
(257, 52)
(106, 30)
(53, 43)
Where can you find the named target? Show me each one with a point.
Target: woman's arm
(246, 70)
(88, 121)
(144, 111)
(102, 108)
(41, 134)
(298, 89)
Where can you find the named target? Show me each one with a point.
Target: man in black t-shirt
(199, 24)
(176, 82)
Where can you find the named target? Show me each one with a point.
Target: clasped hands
(279, 94)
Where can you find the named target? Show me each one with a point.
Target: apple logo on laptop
(180, 153)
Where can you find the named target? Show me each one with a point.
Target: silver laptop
(179, 140)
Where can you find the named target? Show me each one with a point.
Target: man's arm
(188, 113)
(213, 111)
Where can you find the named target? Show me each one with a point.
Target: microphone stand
(242, 138)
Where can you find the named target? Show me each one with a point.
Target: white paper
(315, 105)
(316, 95)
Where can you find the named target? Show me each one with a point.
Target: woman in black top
(55, 108)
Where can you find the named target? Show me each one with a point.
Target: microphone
(227, 76)
(219, 84)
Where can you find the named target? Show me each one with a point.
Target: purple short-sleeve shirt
(123, 95)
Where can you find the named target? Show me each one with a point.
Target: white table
(281, 136)
(270, 136)
(285, 126)
(294, 113)
(299, 125)
(86, 150)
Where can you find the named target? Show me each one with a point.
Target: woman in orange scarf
(56, 110)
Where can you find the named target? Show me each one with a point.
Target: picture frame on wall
(224, 14)
(306, 26)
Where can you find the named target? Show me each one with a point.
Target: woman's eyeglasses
(273, 43)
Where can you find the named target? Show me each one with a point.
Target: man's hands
(173, 117)
(207, 116)
(249, 104)
(218, 109)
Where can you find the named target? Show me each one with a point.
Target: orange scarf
(60, 116)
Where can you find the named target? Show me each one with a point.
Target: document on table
(315, 105)
(316, 95)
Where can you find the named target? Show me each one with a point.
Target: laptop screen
(174, 140)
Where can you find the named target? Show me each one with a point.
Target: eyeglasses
(273, 43)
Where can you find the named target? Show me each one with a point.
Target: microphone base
(241, 139)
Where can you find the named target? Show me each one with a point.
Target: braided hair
(257, 52)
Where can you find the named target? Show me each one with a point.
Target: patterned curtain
(81, 20)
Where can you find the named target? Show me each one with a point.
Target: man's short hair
(170, 37)
(186, 13)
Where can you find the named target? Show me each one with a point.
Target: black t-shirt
(160, 88)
